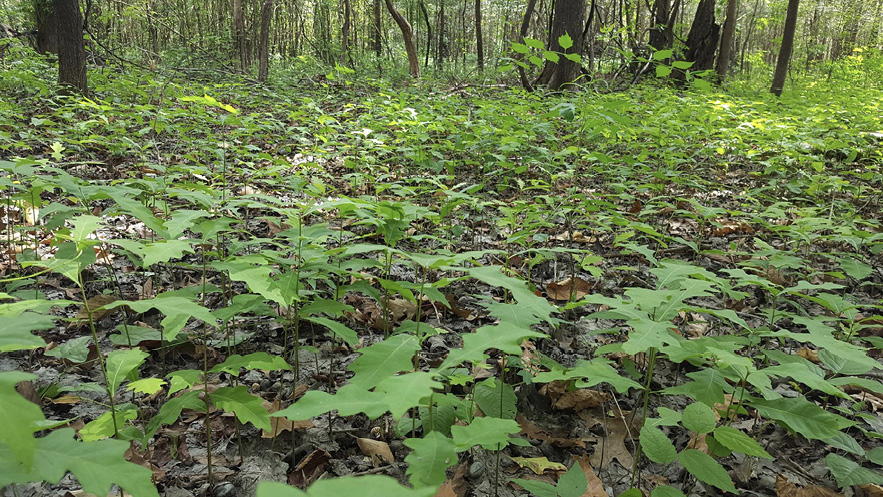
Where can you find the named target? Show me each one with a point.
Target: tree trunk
(264, 45)
(71, 50)
(377, 43)
(47, 30)
(702, 40)
(478, 38)
(525, 24)
(440, 46)
(239, 36)
(568, 19)
(428, 32)
(661, 37)
(408, 35)
(345, 32)
(727, 35)
(787, 46)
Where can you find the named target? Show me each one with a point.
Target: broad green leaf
(177, 310)
(682, 64)
(171, 410)
(165, 250)
(565, 41)
(698, 417)
(575, 57)
(146, 386)
(855, 268)
(18, 417)
(184, 378)
(74, 350)
(430, 457)
(15, 332)
(404, 391)
(383, 359)
(573, 483)
(257, 360)
(362, 486)
(535, 487)
(800, 415)
(519, 48)
(589, 374)
(489, 433)
(551, 56)
(350, 399)
(534, 43)
(666, 491)
(506, 338)
(494, 276)
(96, 465)
(247, 407)
(706, 469)
(662, 54)
(103, 426)
(848, 473)
(647, 334)
(656, 446)
(495, 398)
(339, 330)
(120, 363)
(738, 441)
(662, 71)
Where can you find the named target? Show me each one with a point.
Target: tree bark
(345, 31)
(479, 41)
(786, 49)
(661, 37)
(568, 19)
(47, 27)
(525, 24)
(702, 40)
(428, 32)
(727, 35)
(264, 45)
(441, 47)
(408, 35)
(71, 49)
(239, 36)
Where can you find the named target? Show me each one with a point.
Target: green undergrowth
(249, 208)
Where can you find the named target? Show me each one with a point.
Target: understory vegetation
(439, 289)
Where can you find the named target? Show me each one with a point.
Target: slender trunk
(478, 38)
(441, 47)
(727, 35)
(345, 32)
(525, 24)
(428, 32)
(408, 35)
(787, 47)
(239, 36)
(71, 50)
(264, 45)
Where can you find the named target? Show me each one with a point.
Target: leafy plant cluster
(689, 212)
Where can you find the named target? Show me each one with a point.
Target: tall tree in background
(703, 37)
(378, 46)
(727, 35)
(787, 47)
(568, 19)
(239, 36)
(345, 31)
(408, 35)
(264, 44)
(663, 21)
(478, 38)
(45, 21)
(71, 49)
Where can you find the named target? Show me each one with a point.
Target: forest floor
(670, 291)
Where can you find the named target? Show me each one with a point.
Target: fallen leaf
(280, 425)
(309, 469)
(785, 488)
(377, 450)
(613, 445)
(872, 490)
(581, 399)
(446, 490)
(595, 486)
(93, 305)
(535, 432)
(563, 290)
(538, 464)
(809, 354)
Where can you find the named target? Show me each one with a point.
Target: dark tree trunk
(568, 19)
(787, 47)
(345, 31)
(525, 24)
(71, 50)
(661, 35)
(408, 35)
(47, 29)
(428, 32)
(264, 45)
(376, 34)
(703, 37)
(727, 36)
(440, 46)
(478, 38)
(239, 36)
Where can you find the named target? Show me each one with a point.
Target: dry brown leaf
(535, 432)
(280, 425)
(377, 450)
(596, 486)
(446, 490)
(581, 399)
(613, 445)
(871, 490)
(809, 354)
(309, 469)
(562, 290)
(538, 464)
(785, 488)
(93, 304)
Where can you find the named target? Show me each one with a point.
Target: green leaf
(699, 418)
(247, 407)
(800, 415)
(737, 441)
(855, 268)
(258, 360)
(383, 359)
(74, 350)
(573, 483)
(350, 399)
(96, 465)
(340, 330)
(506, 338)
(536, 60)
(536, 305)
(662, 54)
(534, 43)
(17, 417)
(848, 473)
(120, 363)
(519, 48)
(146, 386)
(682, 64)
(551, 56)
(666, 491)
(363, 486)
(430, 457)
(103, 426)
(538, 488)
(575, 57)
(495, 398)
(164, 251)
(656, 446)
(489, 433)
(405, 391)
(662, 71)
(15, 332)
(565, 41)
(706, 469)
